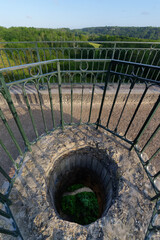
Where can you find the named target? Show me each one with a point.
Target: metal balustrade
(47, 78)
(19, 53)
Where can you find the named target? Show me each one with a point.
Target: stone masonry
(127, 218)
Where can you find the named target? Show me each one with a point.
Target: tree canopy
(14, 34)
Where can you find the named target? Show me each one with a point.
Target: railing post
(4, 199)
(7, 96)
(10, 133)
(104, 94)
(114, 49)
(5, 174)
(71, 99)
(60, 93)
(148, 119)
(15, 232)
(38, 57)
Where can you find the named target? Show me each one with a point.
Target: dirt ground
(131, 105)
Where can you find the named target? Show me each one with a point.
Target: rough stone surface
(127, 218)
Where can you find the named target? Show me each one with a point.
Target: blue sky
(79, 13)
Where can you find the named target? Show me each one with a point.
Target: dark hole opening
(80, 171)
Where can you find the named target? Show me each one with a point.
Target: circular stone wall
(125, 212)
(86, 166)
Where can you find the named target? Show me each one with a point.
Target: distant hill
(133, 32)
(86, 34)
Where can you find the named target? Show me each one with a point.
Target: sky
(79, 13)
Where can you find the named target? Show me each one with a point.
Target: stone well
(108, 168)
(90, 167)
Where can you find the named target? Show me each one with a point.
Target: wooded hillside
(85, 34)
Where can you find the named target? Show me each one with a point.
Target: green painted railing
(19, 53)
(44, 79)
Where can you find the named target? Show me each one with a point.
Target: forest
(21, 45)
(14, 34)
(150, 33)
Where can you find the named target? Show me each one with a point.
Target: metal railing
(43, 82)
(19, 53)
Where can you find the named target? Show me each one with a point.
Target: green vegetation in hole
(82, 208)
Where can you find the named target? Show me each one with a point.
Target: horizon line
(81, 27)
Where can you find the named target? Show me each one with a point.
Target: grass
(81, 208)
(95, 45)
